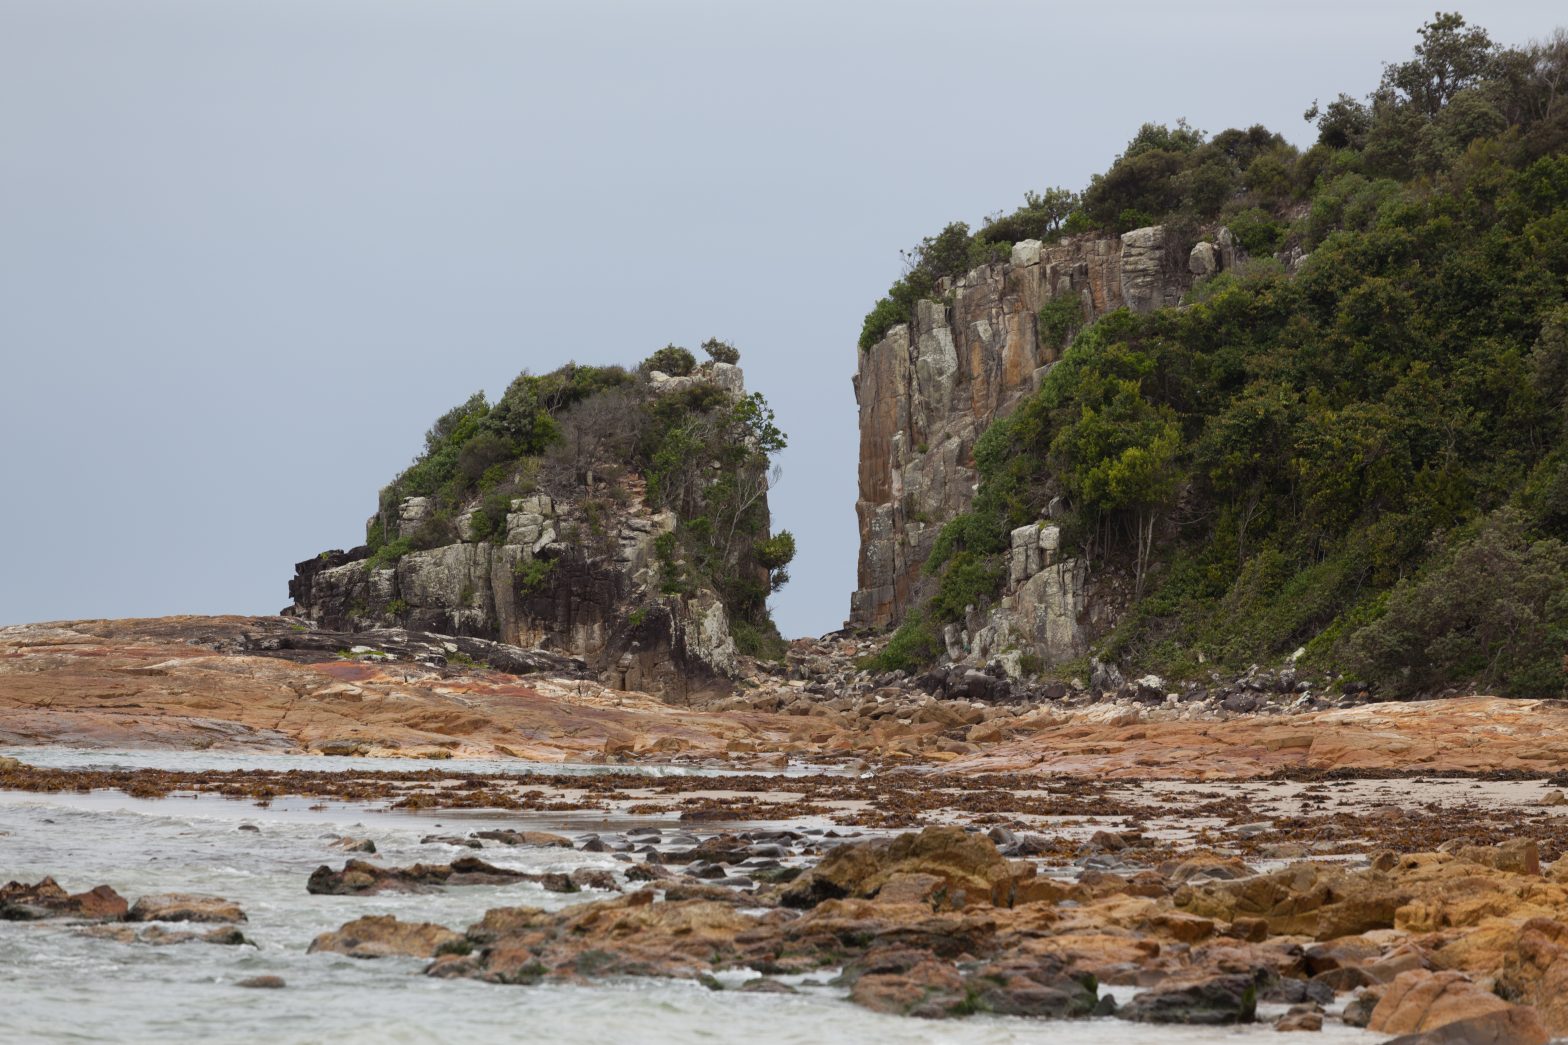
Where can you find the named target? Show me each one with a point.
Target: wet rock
(1301, 1018)
(558, 882)
(646, 872)
(541, 839)
(20, 902)
(1292, 991)
(355, 845)
(1358, 1010)
(382, 936)
(467, 843)
(1210, 1002)
(595, 878)
(361, 878)
(1023, 985)
(767, 985)
(185, 907)
(911, 984)
(226, 935)
(271, 983)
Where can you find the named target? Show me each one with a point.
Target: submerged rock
(263, 982)
(225, 935)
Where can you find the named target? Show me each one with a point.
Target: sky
(250, 250)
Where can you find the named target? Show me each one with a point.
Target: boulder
(185, 907)
(1420, 1002)
(355, 845)
(925, 987)
(382, 936)
(1204, 260)
(1213, 1001)
(20, 902)
(967, 864)
(1514, 1026)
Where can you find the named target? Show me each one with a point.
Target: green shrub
(1492, 610)
(762, 641)
(883, 317)
(721, 351)
(672, 360)
(1256, 230)
(388, 553)
(914, 645)
(531, 575)
(1042, 217)
(1060, 319)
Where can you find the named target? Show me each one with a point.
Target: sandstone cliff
(929, 388)
(576, 566)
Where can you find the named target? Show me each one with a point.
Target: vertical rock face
(928, 389)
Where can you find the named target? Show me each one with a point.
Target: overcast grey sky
(249, 251)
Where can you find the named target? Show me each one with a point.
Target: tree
(1342, 124)
(1041, 217)
(1451, 57)
(721, 351)
(598, 433)
(1118, 458)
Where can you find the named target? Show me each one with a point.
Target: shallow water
(94, 758)
(57, 985)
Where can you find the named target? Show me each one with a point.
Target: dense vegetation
(593, 436)
(1368, 459)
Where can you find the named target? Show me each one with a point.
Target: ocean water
(59, 985)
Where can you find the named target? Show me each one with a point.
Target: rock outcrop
(928, 390)
(578, 574)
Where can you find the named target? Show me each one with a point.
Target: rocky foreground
(1464, 943)
(942, 846)
(274, 684)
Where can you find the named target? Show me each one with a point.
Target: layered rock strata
(929, 388)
